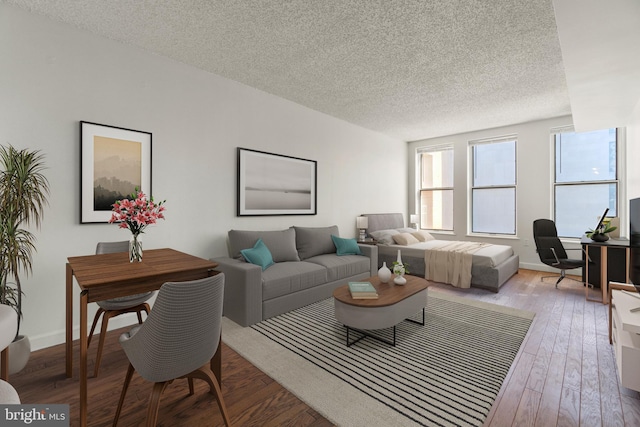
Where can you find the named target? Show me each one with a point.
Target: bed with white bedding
(462, 264)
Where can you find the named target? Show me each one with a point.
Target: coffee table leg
(415, 321)
(366, 334)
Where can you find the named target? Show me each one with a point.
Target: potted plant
(601, 234)
(23, 195)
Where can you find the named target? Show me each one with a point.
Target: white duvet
(488, 256)
(451, 263)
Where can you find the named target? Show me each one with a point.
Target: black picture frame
(275, 184)
(113, 162)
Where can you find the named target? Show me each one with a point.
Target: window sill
(493, 236)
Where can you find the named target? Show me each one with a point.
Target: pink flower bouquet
(136, 214)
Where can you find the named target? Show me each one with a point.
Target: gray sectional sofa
(307, 267)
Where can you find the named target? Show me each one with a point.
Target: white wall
(633, 154)
(52, 76)
(534, 192)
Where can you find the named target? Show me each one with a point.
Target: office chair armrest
(580, 249)
(553, 251)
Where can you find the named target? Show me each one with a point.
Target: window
(436, 187)
(586, 178)
(493, 186)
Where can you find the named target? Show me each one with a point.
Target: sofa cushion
(281, 243)
(346, 246)
(285, 278)
(312, 241)
(341, 267)
(258, 255)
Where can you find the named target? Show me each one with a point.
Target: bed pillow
(406, 230)
(258, 255)
(346, 246)
(384, 237)
(423, 236)
(404, 239)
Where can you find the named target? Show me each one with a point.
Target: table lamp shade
(362, 222)
(413, 218)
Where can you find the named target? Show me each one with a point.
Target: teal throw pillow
(258, 255)
(346, 246)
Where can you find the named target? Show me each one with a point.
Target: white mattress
(489, 256)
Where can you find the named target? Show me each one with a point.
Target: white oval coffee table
(395, 303)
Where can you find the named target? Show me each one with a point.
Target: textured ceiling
(408, 69)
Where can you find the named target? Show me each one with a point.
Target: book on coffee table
(362, 290)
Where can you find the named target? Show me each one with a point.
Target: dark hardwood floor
(252, 398)
(564, 374)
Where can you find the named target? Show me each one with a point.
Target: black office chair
(551, 251)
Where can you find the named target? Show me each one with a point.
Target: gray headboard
(384, 221)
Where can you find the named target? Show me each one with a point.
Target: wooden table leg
(604, 280)
(69, 322)
(4, 365)
(610, 319)
(83, 359)
(216, 362)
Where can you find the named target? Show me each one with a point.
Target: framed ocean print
(274, 184)
(113, 162)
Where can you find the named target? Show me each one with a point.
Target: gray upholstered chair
(116, 306)
(178, 340)
(8, 330)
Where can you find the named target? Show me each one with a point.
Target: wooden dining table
(107, 276)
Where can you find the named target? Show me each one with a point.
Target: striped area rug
(446, 373)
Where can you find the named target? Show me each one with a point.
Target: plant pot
(599, 237)
(19, 353)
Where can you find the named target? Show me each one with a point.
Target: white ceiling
(411, 69)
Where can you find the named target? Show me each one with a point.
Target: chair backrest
(545, 235)
(8, 325)
(182, 332)
(112, 247)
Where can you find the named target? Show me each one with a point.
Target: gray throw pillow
(312, 241)
(281, 243)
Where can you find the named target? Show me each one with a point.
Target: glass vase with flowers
(136, 214)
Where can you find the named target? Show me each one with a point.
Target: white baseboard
(56, 337)
(546, 268)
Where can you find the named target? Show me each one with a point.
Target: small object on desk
(362, 290)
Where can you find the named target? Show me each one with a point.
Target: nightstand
(368, 241)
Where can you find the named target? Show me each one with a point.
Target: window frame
(471, 187)
(434, 149)
(620, 201)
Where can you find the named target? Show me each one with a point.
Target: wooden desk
(604, 275)
(108, 276)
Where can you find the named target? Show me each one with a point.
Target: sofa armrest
(371, 251)
(242, 290)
